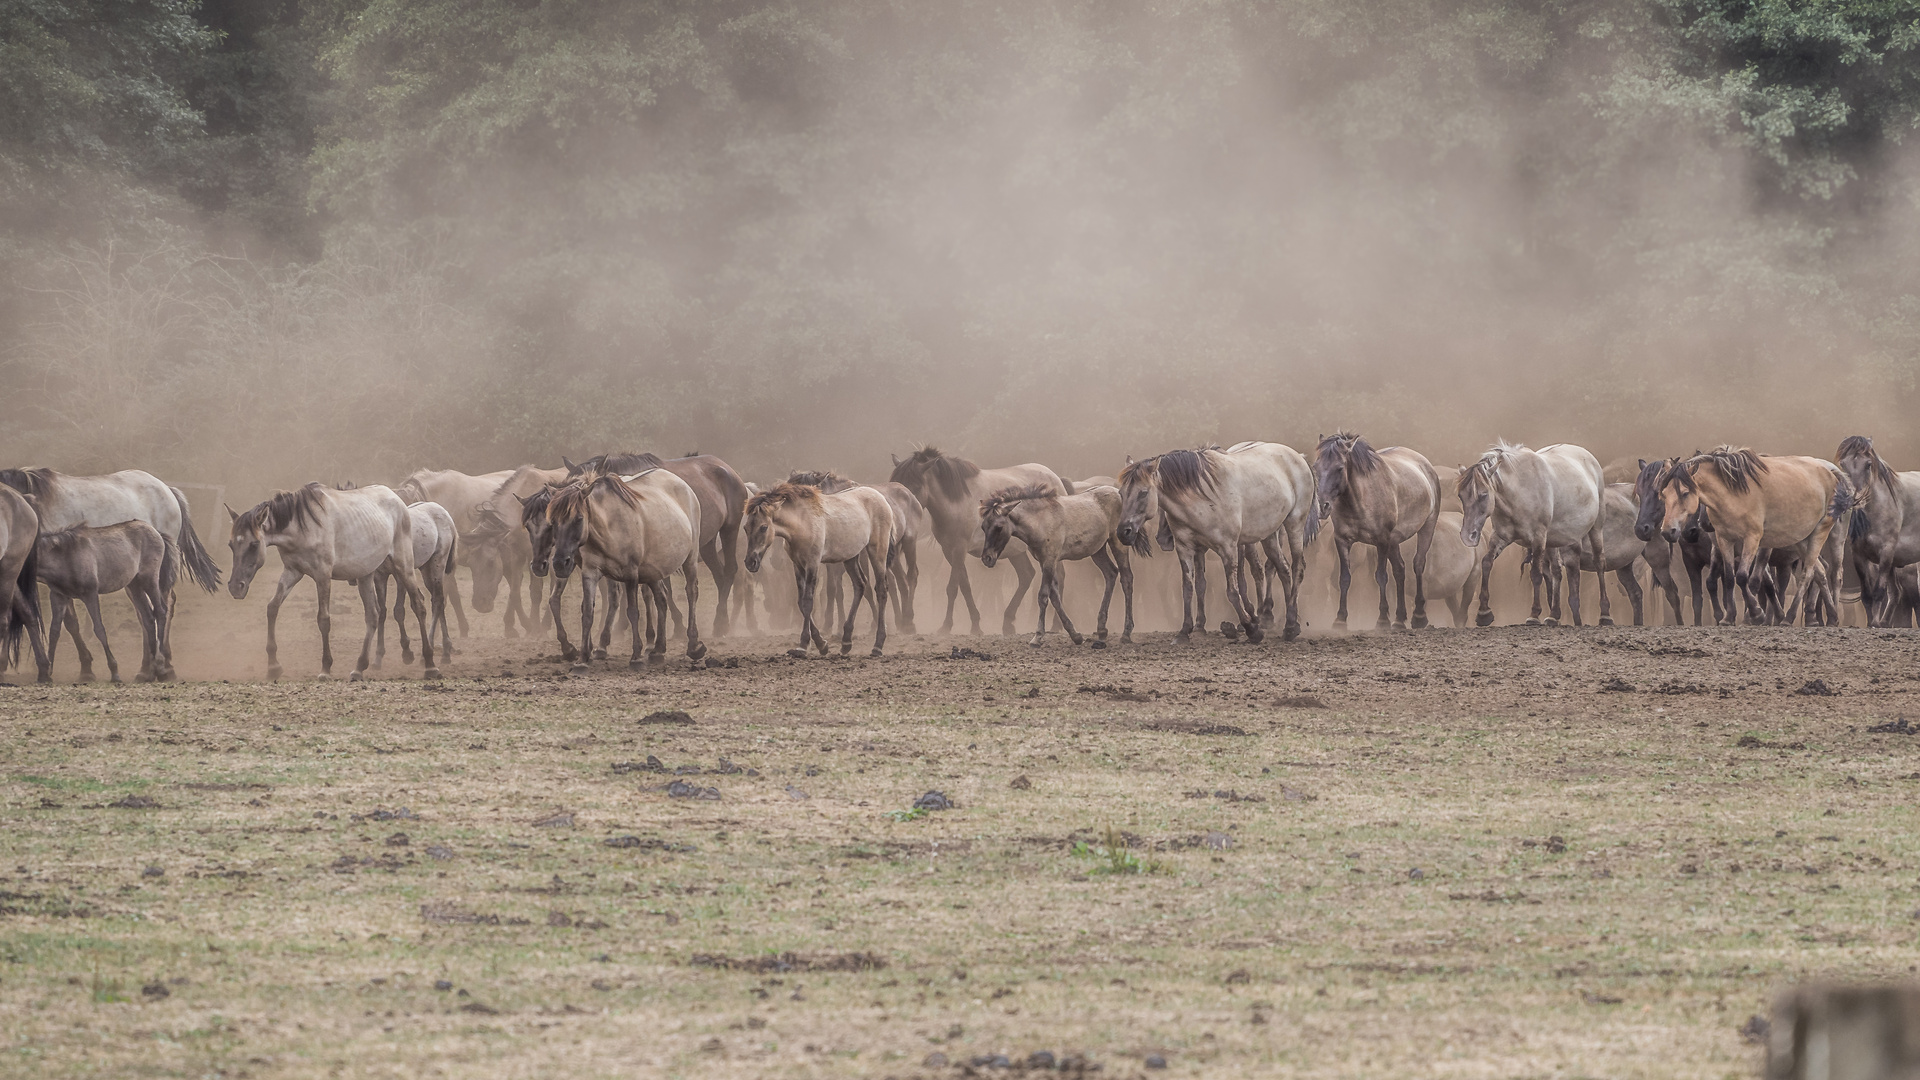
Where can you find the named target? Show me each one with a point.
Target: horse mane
(535, 504)
(28, 481)
(1737, 465)
(825, 479)
(571, 500)
(1862, 446)
(1648, 481)
(781, 494)
(625, 464)
(948, 473)
(1003, 500)
(1361, 457)
(1489, 463)
(1184, 471)
(283, 509)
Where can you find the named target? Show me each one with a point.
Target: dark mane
(1737, 466)
(781, 494)
(571, 500)
(625, 464)
(284, 509)
(825, 479)
(535, 504)
(1360, 457)
(27, 481)
(1185, 471)
(1647, 484)
(1861, 446)
(1004, 499)
(949, 474)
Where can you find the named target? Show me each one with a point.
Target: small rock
(1239, 978)
(1756, 1029)
(153, 871)
(439, 851)
(1040, 1059)
(1020, 783)
(680, 789)
(135, 802)
(934, 800)
(667, 716)
(442, 985)
(1416, 873)
(398, 839)
(1217, 841)
(935, 1060)
(796, 794)
(1816, 688)
(559, 819)
(1556, 844)
(1155, 1061)
(155, 991)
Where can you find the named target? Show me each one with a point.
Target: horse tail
(26, 595)
(1313, 523)
(169, 565)
(453, 548)
(199, 564)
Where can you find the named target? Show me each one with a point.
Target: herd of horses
(1779, 533)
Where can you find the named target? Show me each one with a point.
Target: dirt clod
(135, 802)
(666, 716)
(680, 789)
(785, 962)
(934, 800)
(1020, 783)
(559, 819)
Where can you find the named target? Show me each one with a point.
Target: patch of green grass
(1113, 857)
(65, 783)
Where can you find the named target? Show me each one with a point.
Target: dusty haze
(814, 238)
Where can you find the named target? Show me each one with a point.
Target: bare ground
(1511, 852)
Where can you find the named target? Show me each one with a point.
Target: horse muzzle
(237, 589)
(1643, 532)
(987, 560)
(752, 563)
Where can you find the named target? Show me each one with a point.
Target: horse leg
(1023, 573)
(1538, 553)
(16, 608)
(722, 567)
(1104, 563)
(1200, 591)
(1693, 568)
(1187, 559)
(1399, 564)
(1630, 584)
(1422, 548)
(1281, 562)
(92, 600)
(856, 576)
(1344, 549)
(1059, 608)
(610, 595)
(695, 649)
(459, 612)
(287, 580)
(1573, 586)
(813, 597)
(1597, 540)
(512, 577)
(399, 616)
(56, 604)
(567, 651)
(69, 613)
(1484, 617)
(587, 590)
(374, 612)
(636, 626)
(141, 593)
(1243, 609)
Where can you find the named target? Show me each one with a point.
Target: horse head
(1646, 493)
(1475, 487)
(996, 519)
(1681, 514)
(248, 544)
(762, 521)
(1139, 503)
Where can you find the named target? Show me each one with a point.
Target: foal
(853, 527)
(1057, 528)
(81, 563)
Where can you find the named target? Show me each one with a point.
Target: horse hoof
(1339, 624)
(1229, 631)
(1035, 642)
(85, 676)
(577, 669)
(798, 654)
(1398, 625)
(876, 653)
(696, 650)
(599, 654)
(1255, 635)
(1606, 620)
(1100, 635)
(430, 673)
(512, 633)
(324, 677)
(1531, 622)
(1420, 622)
(1182, 638)
(1077, 639)
(355, 677)
(273, 671)
(1099, 644)
(406, 657)
(1292, 632)
(146, 677)
(115, 680)
(637, 664)
(1484, 618)
(846, 650)
(1550, 621)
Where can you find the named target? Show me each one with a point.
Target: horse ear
(232, 515)
(571, 467)
(1129, 459)
(896, 460)
(516, 496)
(1643, 463)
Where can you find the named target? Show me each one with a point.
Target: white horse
(1546, 501)
(1219, 501)
(330, 536)
(436, 545)
(19, 582)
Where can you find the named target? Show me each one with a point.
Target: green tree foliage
(818, 232)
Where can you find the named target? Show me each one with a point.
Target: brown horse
(637, 531)
(854, 527)
(1379, 498)
(1756, 503)
(1062, 527)
(1692, 541)
(723, 499)
(82, 562)
(1885, 532)
(952, 489)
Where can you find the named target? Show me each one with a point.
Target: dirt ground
(1457, 853)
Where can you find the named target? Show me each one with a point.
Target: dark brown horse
(952, 489)
(723, 499)
(1380, 498)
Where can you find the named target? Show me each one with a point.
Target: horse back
(98, 501)
(668, 518)
(1262, 486)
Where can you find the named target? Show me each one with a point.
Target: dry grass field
(1512, 852)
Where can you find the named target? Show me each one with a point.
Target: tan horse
(1379, 498)
(853, 527)
(1756, 503)
(1062, 527)
(637, 531)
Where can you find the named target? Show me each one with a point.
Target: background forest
(255, 242)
